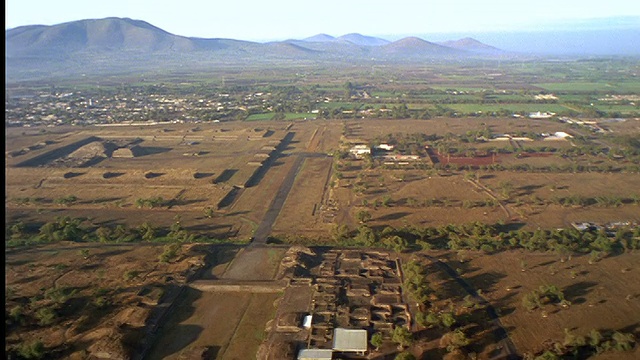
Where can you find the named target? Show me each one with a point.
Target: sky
(263, 20)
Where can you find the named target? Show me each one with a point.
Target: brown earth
(111, 293)
(602, 294)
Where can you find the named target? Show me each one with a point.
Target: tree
(454, 340)
(376, 340)
(340, 232)
(402, 336)
(46, 316)
(405, 356)
(84, 253)
(33, 350)
(363, 216)
(147, 232)
(208, 212)
(448, 320)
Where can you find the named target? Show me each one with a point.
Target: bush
(46, 316)
(169, 253)
(405, 356)
(32, 350)
(130, 275)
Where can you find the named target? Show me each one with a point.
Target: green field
(624, 109)
(620, 87)
(287, 116)
(260, 117)
(467, 108)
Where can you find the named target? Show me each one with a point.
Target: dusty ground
(89, 318)
(301, 210)
(228, 324)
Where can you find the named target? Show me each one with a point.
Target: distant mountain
(413, 46)
(108, 34)
(471, 44)
(319, 38)
(101, 46)
(111, 35)
(363, 40)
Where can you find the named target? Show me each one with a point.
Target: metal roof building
(315, 354)
(350, 340)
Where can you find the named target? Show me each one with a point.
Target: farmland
(200, 200)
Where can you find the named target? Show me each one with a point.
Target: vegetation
(546, 294)
(78, 230)
(489, 238)
(402, 336)
(376, 340)
(583, 346)
(32, 350)
(150, 202)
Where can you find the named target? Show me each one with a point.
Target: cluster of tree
(66, 200)
(78, 230)
(488, 238)
(433, 318)
(603, 201)
(552, 168)
(151, 203)
(545, 294)
(415, 281)
(582, 347)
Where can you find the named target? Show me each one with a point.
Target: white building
(541, 115)
(315, 354)
(360, 150)
(350, 340)
(385, 147)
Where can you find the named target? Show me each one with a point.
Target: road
(264, 228)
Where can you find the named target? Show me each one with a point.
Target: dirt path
(491, 195)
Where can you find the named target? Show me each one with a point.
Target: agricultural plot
(577, 86)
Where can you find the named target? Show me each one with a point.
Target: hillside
(470, 44)
(413, 46)
(362, 40)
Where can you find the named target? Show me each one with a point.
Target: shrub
(130, 275)
(169, 253)
(46, 316)
(32, 350)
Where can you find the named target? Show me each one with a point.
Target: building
(541, 115)
(360, 150)
(350, 340)
(385, 147)
(315, 354)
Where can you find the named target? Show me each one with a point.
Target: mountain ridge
(123, 44)
(114, 33)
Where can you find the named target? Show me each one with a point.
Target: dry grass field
(603, 295)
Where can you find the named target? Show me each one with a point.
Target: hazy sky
(260, 20)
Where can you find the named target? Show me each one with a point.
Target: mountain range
(123, 34)
(117, 44)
